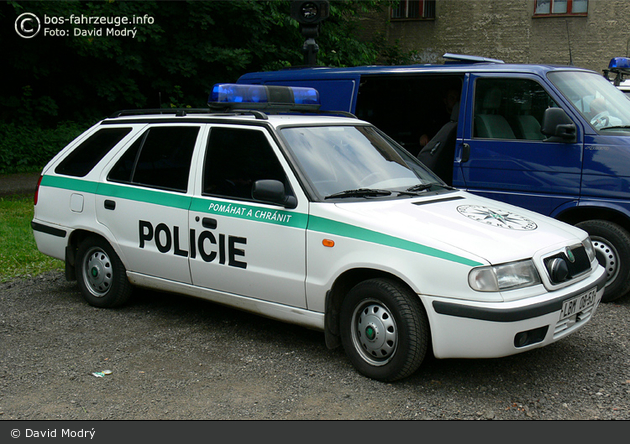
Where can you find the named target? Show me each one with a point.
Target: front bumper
(466, 329)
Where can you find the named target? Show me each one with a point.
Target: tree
(171, 53)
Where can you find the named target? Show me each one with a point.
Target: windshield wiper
(360, 192)
(615, 127)
(419, 188)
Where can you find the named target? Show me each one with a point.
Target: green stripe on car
(250, 212)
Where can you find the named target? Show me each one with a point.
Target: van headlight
(590, 250)
(504, 277)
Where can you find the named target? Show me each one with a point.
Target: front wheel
(612, 248)
(384, 329)
(101, 274)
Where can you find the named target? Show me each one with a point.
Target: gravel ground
(174, 357)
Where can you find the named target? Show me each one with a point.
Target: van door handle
(209, 222)
(465, 152)
(110, 204)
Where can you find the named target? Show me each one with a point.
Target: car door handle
(209, 223)
(465, 152)
(110, 204)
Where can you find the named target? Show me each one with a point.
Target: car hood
(462, 224)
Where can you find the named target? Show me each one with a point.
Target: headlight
(590, 251)
(504, 277)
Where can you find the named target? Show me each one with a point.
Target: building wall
(508, 30)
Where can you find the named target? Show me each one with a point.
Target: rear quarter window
(85, 157)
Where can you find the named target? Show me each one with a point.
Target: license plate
(578, 303)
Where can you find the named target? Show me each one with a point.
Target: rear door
(502, 154)
(144, 201)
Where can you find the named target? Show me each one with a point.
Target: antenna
(569, 41)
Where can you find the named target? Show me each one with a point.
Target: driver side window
(509, 109)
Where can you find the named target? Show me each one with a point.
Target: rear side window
(84, 157)
(159, 158)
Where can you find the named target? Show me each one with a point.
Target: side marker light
(328, 243)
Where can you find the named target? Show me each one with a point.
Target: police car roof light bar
(263, 97)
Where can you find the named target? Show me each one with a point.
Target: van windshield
(356, 161)
(604, 106)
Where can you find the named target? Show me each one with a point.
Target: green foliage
(178, 51)
(186, 48)
(25, 148)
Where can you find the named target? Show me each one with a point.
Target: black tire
(101, 274)
(612, 247)
(384, 329)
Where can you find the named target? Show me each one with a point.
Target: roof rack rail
(176, 111)
(462, 58)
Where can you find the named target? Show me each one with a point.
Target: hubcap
(374, 332)
(98, 272)
(607, 256)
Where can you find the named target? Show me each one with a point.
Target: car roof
(448, 68)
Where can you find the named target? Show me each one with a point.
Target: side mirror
(558, 126)
(273, 192)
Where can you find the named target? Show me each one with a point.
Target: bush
(29, 148)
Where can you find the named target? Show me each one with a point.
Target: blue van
(553, 139)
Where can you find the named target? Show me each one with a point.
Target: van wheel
(101, 274)
(612, 247)
(384, 329)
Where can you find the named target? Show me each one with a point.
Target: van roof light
(619, 63)
(463, 58)
(263, 97)
(620, 66)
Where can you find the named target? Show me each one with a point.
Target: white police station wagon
(317, 220)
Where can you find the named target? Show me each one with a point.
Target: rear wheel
(101, 274)
(612, 248)
(384, 329)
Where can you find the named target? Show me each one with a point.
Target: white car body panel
(429, 242)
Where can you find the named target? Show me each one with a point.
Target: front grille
(580, 264)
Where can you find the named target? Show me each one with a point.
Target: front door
(242, 246)
(503, 154)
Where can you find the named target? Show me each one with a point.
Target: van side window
(509, 109)
(235, 159)
(85, 157)
(159, 158)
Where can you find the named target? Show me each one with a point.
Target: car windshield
(356, 161)
(604, 106)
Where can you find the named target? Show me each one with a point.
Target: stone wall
(508, 30)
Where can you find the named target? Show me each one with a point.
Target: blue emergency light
(260, 97)
(621, 63)
(620, 66)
